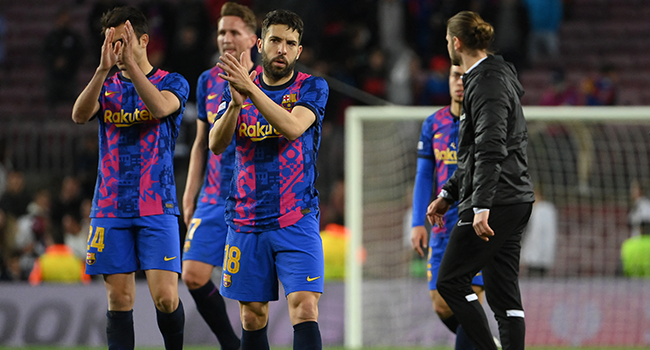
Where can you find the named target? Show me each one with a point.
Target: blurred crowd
(598, 89)
(394, 50)
(31, 221)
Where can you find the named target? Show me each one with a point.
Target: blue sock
(462, 340)
(306, 336)
(254, 340)
(119, 330)
(171, 327)
(211, 306)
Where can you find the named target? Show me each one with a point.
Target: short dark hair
(286, 17)
(120, 15)
(241, 11)
(471, 29)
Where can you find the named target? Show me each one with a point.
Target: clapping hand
(110, 50)
(241, 82)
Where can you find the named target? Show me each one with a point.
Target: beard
(276, 73)
(454, 57)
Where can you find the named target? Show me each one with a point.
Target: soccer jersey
(136, 176)
(218, 172)
(273, 179)
(206, 235)
(439, 142)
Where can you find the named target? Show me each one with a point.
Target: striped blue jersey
(439, 143)
(273, 180)
(136, 175)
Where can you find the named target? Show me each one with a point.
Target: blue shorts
(254, 262)
(437, 246)
(206, 235)
(124, 245)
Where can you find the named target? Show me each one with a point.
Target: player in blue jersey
(134, 221)
(207, 229)
(272, 211)
(436, 163)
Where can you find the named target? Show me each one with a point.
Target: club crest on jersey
(288, 101)
(90, 258)
(227, 280)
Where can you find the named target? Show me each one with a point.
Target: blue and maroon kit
(272, 209)
(134, 213)
(437, 161)
(206, 236)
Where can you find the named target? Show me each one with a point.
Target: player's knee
(120, 300)
(191, 279)
(253, 318)
(303, 309)
(442, 309)
(166, 302)
(440, 305)
(304, 313)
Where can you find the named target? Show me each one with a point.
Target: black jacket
(492, 162)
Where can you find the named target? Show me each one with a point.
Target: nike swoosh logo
(464, 223)
(212, 96)
(109, 93)
(167, 259)
(309, 279)
(246, 105)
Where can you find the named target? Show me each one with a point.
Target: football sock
(211, 306)
(171, 326)
(451, 322)
(306, 336)
(462, 340)
(119, 330)
(254, 340)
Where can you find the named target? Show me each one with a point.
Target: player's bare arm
(224, 128)
(290, 124)
(419, 239)
(87, 103)
(195, 171)
(159, 103)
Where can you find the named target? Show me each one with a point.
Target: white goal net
(583, 160)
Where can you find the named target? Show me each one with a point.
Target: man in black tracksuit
(492, 185)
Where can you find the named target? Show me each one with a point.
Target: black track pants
(466, 255)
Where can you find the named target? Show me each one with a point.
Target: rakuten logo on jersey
(121, 119)
(447, 156)
(257, 132)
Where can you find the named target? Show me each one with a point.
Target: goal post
(406, 121)
(355, 117)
